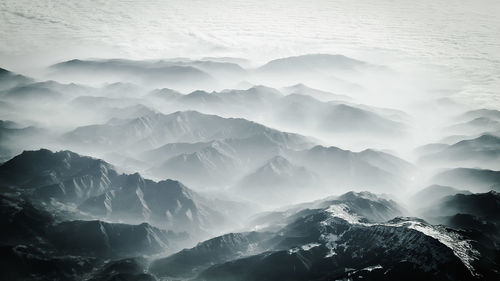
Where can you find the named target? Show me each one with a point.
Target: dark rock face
(44, 237)
(64, 175)
(335, 242)
(157, 129)
(108, 240)
(477, 180)
(481, 204)
(96, 188)
(216, 250)
(131, 269)
(29, 263)
(22, 223)
(354, 236)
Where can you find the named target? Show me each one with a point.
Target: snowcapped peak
(460, 246)
(342, 211)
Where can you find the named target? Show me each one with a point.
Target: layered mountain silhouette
(109, 240)
(10, 79)
(158, 129)
(481, 113)
(432, 194)
(478, 180)
(277, 180)
(180, 74)
(228, 161)
(14, 138)
(476, 214)
(302, 89)
(479, 125)
(313, 63)
(99, 190)
(480, 204)
(332, 242)
(298, 110)
(482, 152)
(208, 169)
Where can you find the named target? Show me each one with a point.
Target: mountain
(164, 94)
(152, 73)
(335, 242)
(108, 240)
(432, 194)
(132, 269)
(224, 163)
(324, 96)
(46, 245)
(121, 90)
(15, 137)
(340, 168)
(430, 148)
(224, 71)
(36, 241)
(483, 151)
(479, 125)
(97, 189)
(476, 180)
(485, 205)
(312, 63)
(477, 214)
(86, 102)
(374, 208)
(207, 167)
(252, 150)
(10, 79)
(278, 180)
(128, 112)
(335, 73)
(387, 162)
(349, 253)
(216, 250)
(231, 102)
(299, 111)
(22, 262)
(44, 92)
(217, 163)
(64, 175)
(34, 92)
(157, 129)
(22, 222)
(481, 113)
(170, 150)
(167, 204)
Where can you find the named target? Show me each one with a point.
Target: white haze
(424, 63)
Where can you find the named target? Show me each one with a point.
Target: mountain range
(98, 190)
(482, 151)
(336, 242)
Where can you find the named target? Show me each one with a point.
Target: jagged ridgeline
(65, 214)
(209, 169)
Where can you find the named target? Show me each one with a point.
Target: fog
(275, 130)
(309, 126)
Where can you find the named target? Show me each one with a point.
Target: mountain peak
(4, 71)
(278, 164)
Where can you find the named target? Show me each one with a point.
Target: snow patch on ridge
(305, 247)
(460, 246)
(341, 211)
